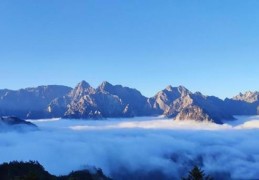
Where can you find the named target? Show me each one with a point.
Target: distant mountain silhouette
(29, 102)
(107, 101)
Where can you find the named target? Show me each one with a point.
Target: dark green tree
(33, 170)
(197, 174)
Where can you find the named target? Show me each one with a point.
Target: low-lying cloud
(156, 147)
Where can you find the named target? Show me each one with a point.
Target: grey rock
(248, 96)
(162, 101)
(29, 102)
(181, 104)
(105, 101)
(13, 123)
(132, 101)
(243, 104)
(193, 112)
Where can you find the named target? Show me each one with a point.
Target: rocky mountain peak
(200, 94)
(82, 85)
(193, 112)
(169, 88)
(81, 89)
(183, 91)
(105, 86)
(164, 99)
(248, 96)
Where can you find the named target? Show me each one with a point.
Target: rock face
(248, 96)
(181, 104)
(105, 101)
(161, 103)
(132, 101)
(14, 123)
(193, 113)
(243, 104)
(29, 102)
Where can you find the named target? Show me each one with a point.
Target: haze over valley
(130, 148)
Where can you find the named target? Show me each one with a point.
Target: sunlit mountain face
(116, 101)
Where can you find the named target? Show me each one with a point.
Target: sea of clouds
(140, 148)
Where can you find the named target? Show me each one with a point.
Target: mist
(139, 147)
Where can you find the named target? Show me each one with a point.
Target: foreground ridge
(34, 170)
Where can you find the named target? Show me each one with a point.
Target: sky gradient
(207, 46)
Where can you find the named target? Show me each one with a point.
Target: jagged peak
(182, 87)
(169, 88)
(83, 84)
(183, 90)
(105, 85)
(198, 93)
(82, 88)
(252, 93)
(248, 93)
(248, 96)
(180, 90)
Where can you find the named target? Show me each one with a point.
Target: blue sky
(207, 46)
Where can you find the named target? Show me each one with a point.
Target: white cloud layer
(121, 146)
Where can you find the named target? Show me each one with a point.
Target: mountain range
(109, 101)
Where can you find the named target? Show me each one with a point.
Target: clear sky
(208, 46)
